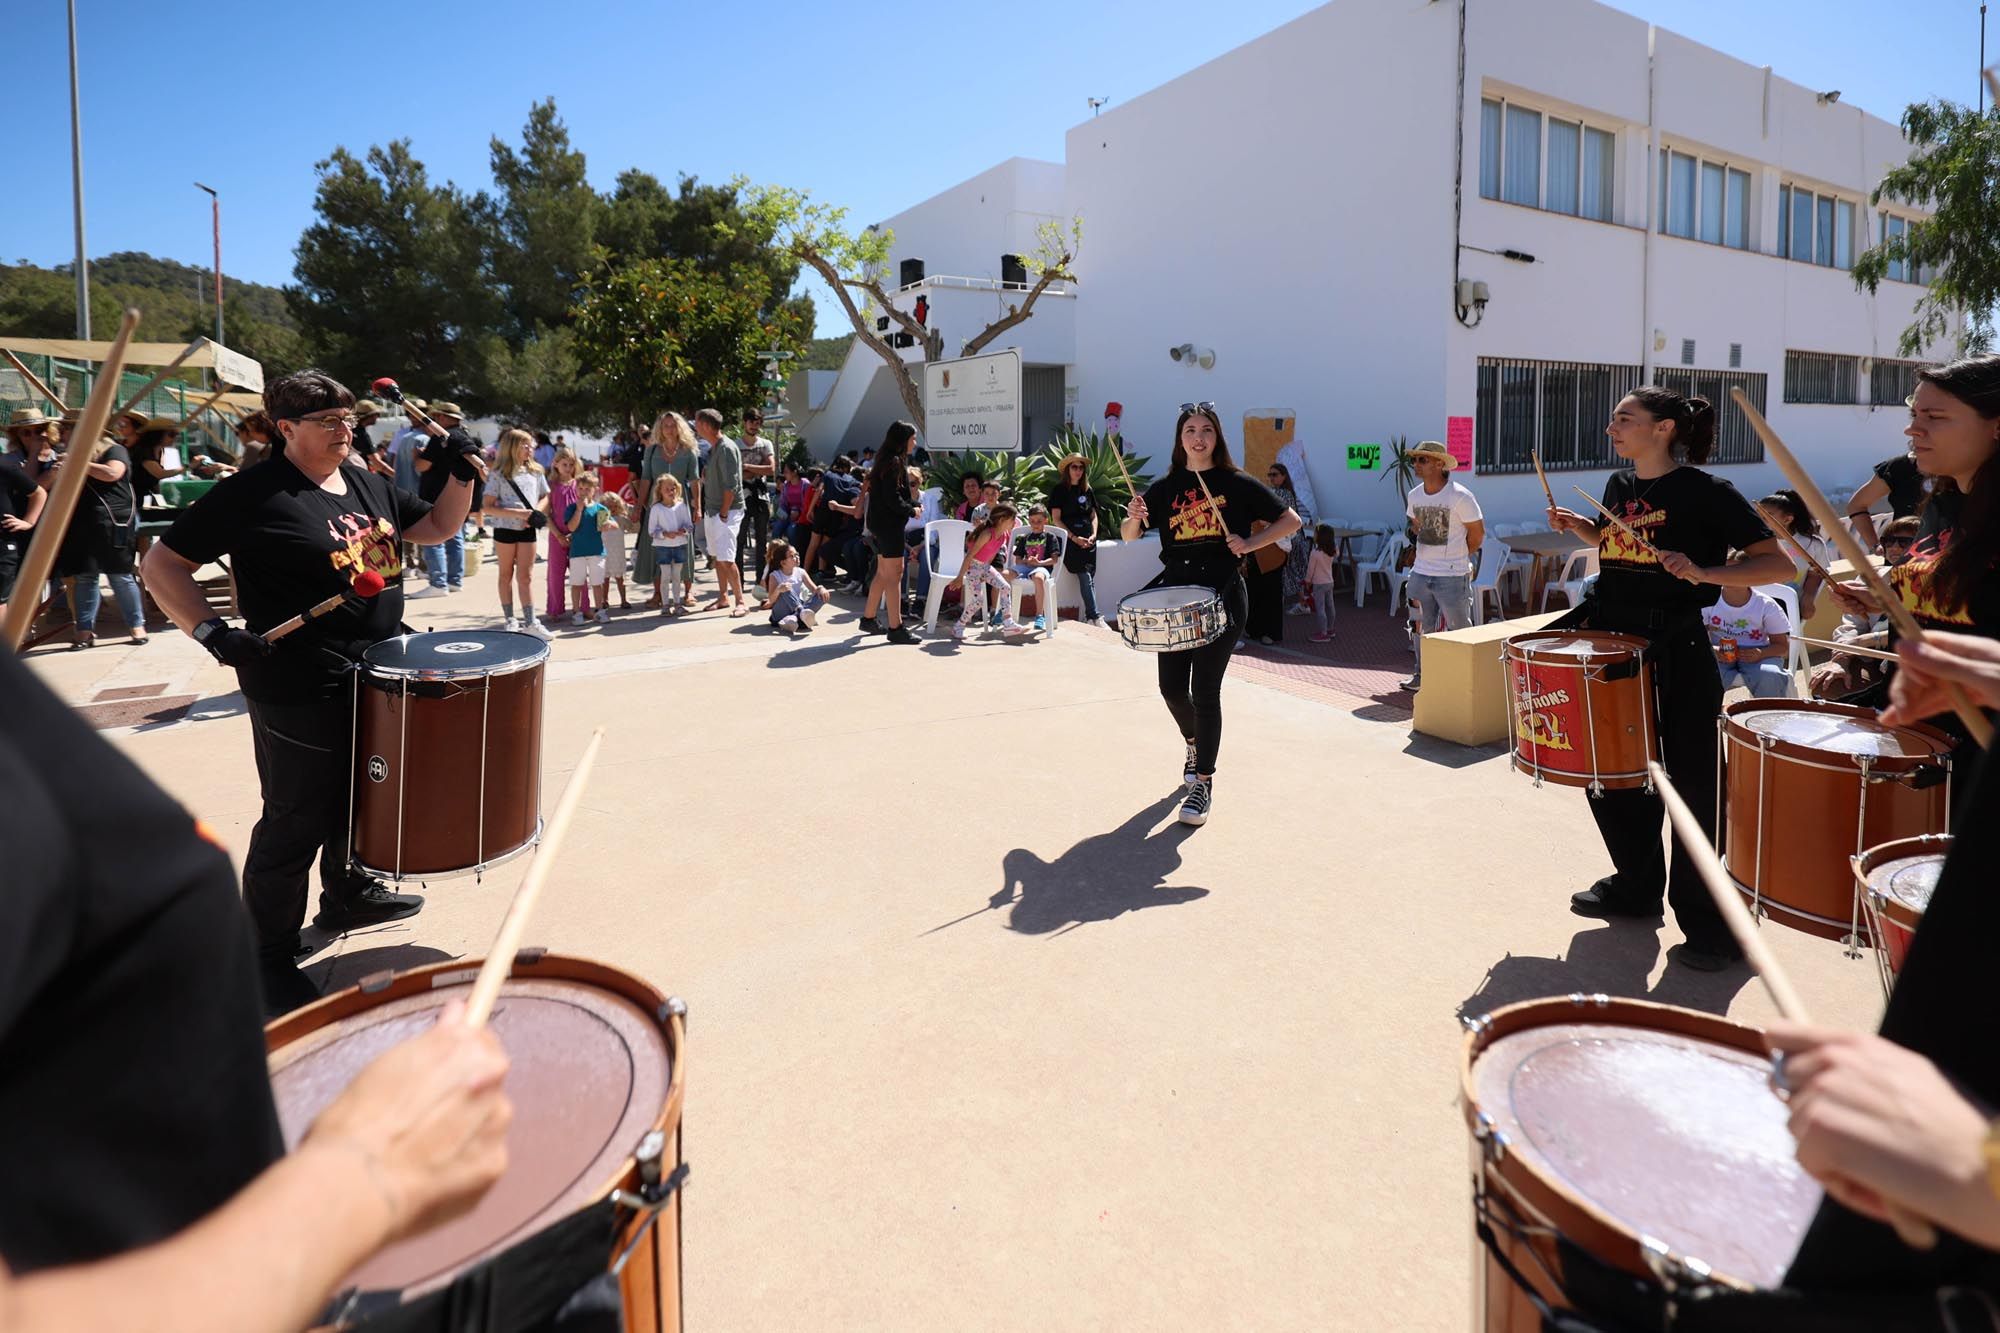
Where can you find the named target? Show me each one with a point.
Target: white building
(1639, 208)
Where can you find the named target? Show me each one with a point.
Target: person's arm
(572, 517)
(1138, 517)
(1857, 511)
(412, 1143)
(1568, 520)
(111, 470)
(169, 577)
(37, 497)
(1284, 525)
(1918, 689)
(1475, 534)
(447, 514)
(1762, 562)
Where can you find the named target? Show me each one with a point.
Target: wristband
(462, 469)
(209, 628)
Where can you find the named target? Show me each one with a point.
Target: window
(1890, 383)
(1557, 408)
(1704, 201)
(1817, 377)
(1514, 142)
(1902, 270)
(1735, 439)
(1815, 228)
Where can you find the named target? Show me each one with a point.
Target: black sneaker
(1706, 960)
(1200, 795)
(1411, 683)
(285, 989)
(1189, 772)
(900, 635)
(370, 905)
(870, 625)
(1604, 900)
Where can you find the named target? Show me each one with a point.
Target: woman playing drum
(1656, 588)
(1203, 509)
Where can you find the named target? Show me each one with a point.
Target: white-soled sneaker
(509, 624)
(806, 617)
(1200, 795)
(788, 622)
(536, 628)
(1189, 773)
(576, 617)
(604, 615)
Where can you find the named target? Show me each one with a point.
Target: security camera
(1184, 352)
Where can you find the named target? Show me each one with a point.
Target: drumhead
(1666, 1133)
(1168, 598)
(443, 654)
(1910, 880)
(1841, 732)
(1575, 645)
(589, 1073)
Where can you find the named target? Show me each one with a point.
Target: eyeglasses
(1208, 407)
(338, 421)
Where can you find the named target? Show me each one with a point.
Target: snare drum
(1895, 881)
(1580, 705)
(1172, 618)
(596, 1078)
(1644, 1135)
(1808, 786)
(447, 753)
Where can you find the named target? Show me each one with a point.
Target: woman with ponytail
(1691, 522)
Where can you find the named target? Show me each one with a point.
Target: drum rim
(1789, 749)
(1865, 862)
(536, 658)
(1208, 593)
(1610, 1011)
(1515, 646)
(398, 876)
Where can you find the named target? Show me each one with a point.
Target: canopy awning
(229, 367)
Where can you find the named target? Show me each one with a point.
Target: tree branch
(881, 299)
(1018, 314)
(905, 385)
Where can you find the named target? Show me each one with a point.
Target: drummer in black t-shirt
(1690, 521)
(299, 529)
(1200, 551)
(1898, 480)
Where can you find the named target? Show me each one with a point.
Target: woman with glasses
(1073, 507)
(1203, 510)
(1280, 479)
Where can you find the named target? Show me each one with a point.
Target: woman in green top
(671, 454)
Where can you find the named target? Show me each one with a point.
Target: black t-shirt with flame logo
(1192, 543)
(1686, 510)
(1915, 580)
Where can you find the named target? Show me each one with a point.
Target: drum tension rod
(648, 1208)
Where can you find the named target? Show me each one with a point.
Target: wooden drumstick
(1618, 522)
(1853, 649)
(34, 380)
(1213, 507)
(1976, 724)
(1915, 1232)
(500, 958)
(1537, 458)
(1811, 561)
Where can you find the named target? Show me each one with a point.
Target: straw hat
(1063, 466)
(161, 423)
(25, 417)
(444, 409)
(368, 407)
(1433, 449)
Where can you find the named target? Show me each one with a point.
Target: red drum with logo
(447, 752)
(1808, 786)
(1644, 1135)
(1896, 881)
(1580, 707)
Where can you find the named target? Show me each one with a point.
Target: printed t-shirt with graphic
(293, 544)
(1194, 546)
(588, 539)
(1439, 520)
(1075, 504)
(1752, 625)
(1686, 510)
(663, 519)
(1906, 482)
(1916, 578)
(1030, 545)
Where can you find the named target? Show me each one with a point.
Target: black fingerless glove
(238, 647)
(462, 468)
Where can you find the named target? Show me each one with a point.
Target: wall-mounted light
(1188, 354)
(1828, 98)
(1470, 298)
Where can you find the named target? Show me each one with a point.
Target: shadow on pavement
(342, 970)
(806, 655)
(1615, 958)
(1450, 754)
(1101, 878)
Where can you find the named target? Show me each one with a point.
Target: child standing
(614, 549)
(584, 521)
(794, 596)
(563, 472)
(1319, 581)
(982, 547)
(668, 524)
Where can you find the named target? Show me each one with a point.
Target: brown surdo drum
(1896, 881)
(448, 752)
(1626, 1136)
(596, 1078)
(1580, 705)
(1809, 785)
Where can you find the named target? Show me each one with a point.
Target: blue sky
(874, 106)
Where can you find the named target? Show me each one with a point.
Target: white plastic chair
(1383, 566)
(945, 536)
(1018, 594)
(1580, 565)
(1785, 595)
(1492, 567)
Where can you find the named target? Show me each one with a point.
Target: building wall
(963, 231)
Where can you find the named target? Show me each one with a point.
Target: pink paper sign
(1458, 439)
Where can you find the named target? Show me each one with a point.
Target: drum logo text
(378, 768)
(460, 646)
(1551, 700)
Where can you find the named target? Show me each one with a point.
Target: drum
(1627, 1136)
(1895, 881)
(1809, 785)
(447, 753)
(1580, 707)
(596, 1078)
(1169, 619)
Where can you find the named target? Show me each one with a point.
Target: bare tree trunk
(906, 384)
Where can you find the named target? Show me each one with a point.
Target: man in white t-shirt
(1752, 637)
(1448, 527)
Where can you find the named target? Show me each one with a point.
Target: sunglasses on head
(1188, 409)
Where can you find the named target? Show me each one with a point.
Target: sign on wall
(1364, 457)
(974, 402)
(1458, 439)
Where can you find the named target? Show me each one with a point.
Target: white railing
(982, 285)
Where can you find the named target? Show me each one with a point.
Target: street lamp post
(215, 211)
(76, 177)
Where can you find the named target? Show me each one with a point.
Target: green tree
(852, 263)
(393, 277)
(1955, 171)
(702, 223)
(544, 223)
(664, 333)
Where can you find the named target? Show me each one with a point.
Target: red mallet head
(368, 583)
(388, 388)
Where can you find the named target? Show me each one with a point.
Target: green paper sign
(1364, 457)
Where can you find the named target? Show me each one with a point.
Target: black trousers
(1191, 680)
(305, 758)
(1266, 619)
(1689, 694)
(757, 532)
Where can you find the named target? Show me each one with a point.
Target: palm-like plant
(1023, 479)
(1114, 497)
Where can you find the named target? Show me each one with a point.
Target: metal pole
(215, 210)
(1982, 57)
(76, 176)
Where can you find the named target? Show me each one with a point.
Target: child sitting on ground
(1319, 581)
(585, 521)
(982, 547)
(794, 596)
(1752, 639)
(668, 524)
(1035, 554)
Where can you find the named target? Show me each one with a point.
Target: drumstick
(1618, 522)
(1213, 507)
(500, 958)
(1976, 724)
(366, 584)
(1811, 561)
(1915, 1231)
(1536, 456)
(1855, 649)
(35, 381)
